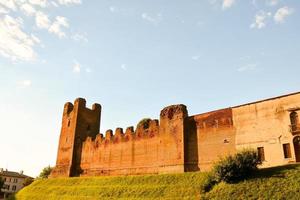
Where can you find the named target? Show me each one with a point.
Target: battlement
(174, 112)
(80, 103)
(148, 129)
(151, 145)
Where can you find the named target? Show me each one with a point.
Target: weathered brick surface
(209, 136)
(175, 143)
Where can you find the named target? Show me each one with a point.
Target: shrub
(208, 182)
(234, 168)
(45, 172)
(145, 123)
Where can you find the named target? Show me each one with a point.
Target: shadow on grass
(265, 173)
(278, 172)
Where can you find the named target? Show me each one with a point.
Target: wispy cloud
(28, 9)
(154, 19)
(227, 4)
(41, 3)
(272, 2)
(80, 37)
(282, 14)
(58, 24)
(24, 84)
(124, 66)
(69, 2)
(196, 57)
(113, 9)
(18, 44)
(248, 67)
(260, 19)
(42, 20)
(76, 67)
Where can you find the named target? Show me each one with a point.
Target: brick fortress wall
(176, 142)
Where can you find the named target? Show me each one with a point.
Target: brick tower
(78, 123)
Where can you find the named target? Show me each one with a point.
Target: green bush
(234, 168)
(145, 123)
(208, 182)
(45, 172)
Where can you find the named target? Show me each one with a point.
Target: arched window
(294, 120)
(296, 142)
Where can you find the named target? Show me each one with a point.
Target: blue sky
(135, 57)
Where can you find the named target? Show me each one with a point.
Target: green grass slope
(273, 183)
(176, 186)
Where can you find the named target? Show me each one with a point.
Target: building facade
(13, 182)
(178, 142)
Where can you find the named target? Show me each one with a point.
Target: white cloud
(76, 67)
(124, 66)
(54, 3)
(9, 4)
(113, 9)
(69, 2)
(245, 58)
(24, 83)
(18, 44)
(272, 2)
(35, 39)
(3, 10)
(260, 19)
(227, 4)
(248, 67)
(80, 37)
(28, 9)
(196, 57)
(155, 19)
(41, 3)
(42, 20)
(282, 13)
(57, 25)
(15, 44)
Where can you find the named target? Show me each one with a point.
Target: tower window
(294, 118)
(287, 150)
(88, 127)
(69, 122)
(261, 154)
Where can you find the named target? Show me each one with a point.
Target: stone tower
(171, 133)
(78, 123)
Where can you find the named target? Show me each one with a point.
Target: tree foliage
(1, 183)
(45, 172)
(232, 168)
(145, 123)
(27, 181)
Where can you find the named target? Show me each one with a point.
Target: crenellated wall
(132, 152)
(176, 142)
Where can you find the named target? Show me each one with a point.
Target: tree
(1, 183)
(45, 172)
(28, 181)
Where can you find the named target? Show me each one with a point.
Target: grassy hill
(273, 183)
